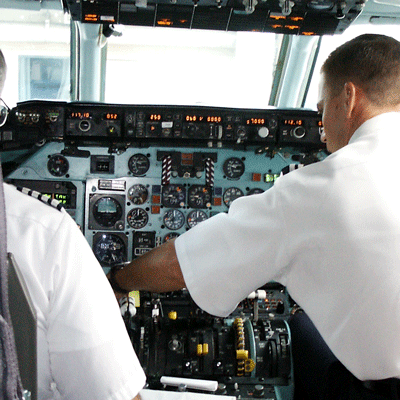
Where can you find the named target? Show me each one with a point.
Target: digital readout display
(80, 114)
(155, 117)
(293, 122)
(111, 116)
(64, 199)
(204, 118)
(256, 121)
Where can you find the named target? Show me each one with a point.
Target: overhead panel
(297, 17)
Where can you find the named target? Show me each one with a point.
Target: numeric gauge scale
(110, 248)
(137, 218)
(174, 219)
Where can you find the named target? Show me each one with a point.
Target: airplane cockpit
(144, 118)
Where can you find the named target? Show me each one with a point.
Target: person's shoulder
(28, 205)
(41, 197)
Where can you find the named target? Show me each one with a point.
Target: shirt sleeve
(91, 355)
(226, 257)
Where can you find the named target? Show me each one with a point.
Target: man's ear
(350, 93)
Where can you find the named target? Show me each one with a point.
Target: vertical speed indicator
(138, 164)
(233, 168)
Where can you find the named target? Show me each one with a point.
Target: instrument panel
(129, 203)
(122, 126)
(135, 177)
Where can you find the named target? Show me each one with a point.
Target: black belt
(389, 388)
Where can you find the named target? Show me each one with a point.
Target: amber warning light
(91, 18)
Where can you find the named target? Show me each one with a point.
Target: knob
(258, 391)
(221, 389)
(263, 132)
(84, 125)
(173, 315)
(119, 225)
(182, 387)
(174, 345)
(21, 117)
(299, 132)
(35, 117)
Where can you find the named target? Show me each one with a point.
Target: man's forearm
(156, 271)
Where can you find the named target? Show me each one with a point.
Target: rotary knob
(263, 132)
(258, 391)
(299, 132)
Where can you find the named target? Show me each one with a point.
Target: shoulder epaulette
(42, 197)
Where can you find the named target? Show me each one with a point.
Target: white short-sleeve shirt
(84, 351)
(329, 232)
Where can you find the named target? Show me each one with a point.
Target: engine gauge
(195, 217)
(199, 196)
(174, 219)
(138, 194)
(109, 249)
(173, 195)
(233, 168)
(231, 194)
(138, 164)
(107, 211)
(57, 165)
(137, 218)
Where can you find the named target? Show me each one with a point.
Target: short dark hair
(3, 70)
(370, 61)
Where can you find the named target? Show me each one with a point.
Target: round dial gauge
(110, 249)
(231, 194)
(138, 164)
(57, 165)
(107, 211)
(173, 196)
(138, 194)
(174, 219)
(199, 196)
(233, 168)
(137, 218)
(195, 217)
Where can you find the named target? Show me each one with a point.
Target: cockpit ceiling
(296, 17)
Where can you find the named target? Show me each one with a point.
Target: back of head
(370, 61)
(3, 70)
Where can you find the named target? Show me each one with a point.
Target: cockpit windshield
(158, 65)
(191, 67)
